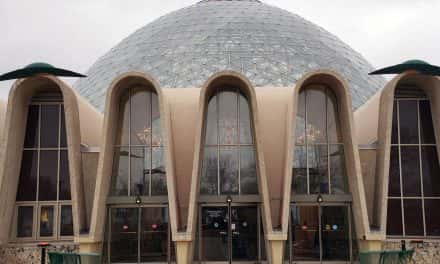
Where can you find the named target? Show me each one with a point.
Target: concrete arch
(242, 83)
(104, 171)
(431, 86)
(12, 147)
(341, 90)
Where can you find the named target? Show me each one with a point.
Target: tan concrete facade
(91, 140)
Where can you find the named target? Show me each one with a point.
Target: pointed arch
(12, 146)
(226, 78)
(118, 87)
(430, 85)
(340, 89)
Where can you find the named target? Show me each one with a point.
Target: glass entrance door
(229, 234)
(138, 235)
(320, 234)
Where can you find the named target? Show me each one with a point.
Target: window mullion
(129, 141)
(420, 167)
(400, 167)
(306, 141)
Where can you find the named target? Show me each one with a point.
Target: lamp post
(229, 201)
(43, 246)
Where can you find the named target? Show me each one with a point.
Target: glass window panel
(46, 221)
(49, 126)
(156, 123)
(432, 216)
(211, 122)
(140, 117)
(335, 233)
(394, 218)
(119, 184)
(299, 170)
(140, 162)
(158, 173)
(63, 138)
(25, 217)
(66, 221)
(209, 182)
(64, 176)
(47, 186)
(318, 168)
(316, 115)
(228, 113)
(394, 175)
(245, 121)
(410, 171)
(27, 186)
(333, 125)
(124, 235)
(426, 126)
(305, 233)
(154, 234)
(31, 137)
(228, 168)
(248, 171)
(394, 132)
(430, 171)
(124, 120)
(413, 213)
(300, 127)
(408, 122)
(338, 177)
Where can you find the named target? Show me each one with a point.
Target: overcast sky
(74, 34)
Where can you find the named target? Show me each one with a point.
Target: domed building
(229, 131)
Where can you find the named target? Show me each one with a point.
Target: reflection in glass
(140, 170)
(413, 217)
(46, 221)
(140, 100)
(154, 234)
(158, 175)
(66, 224)
(426, 126)
(228, 169)
(338, 177)
(394, 174)
(64, 178)
(244, 230)
(318, 168)
(119, 184)
(432, 216)
(333, 125)
(410, 170)
(316, 115)
(300, 170)
(63, 138)
(335, 233)
(25, 221)
(228, 111)
(214, 239)
(394, 129)
(31, 137)
(124, 235)
(47, 190)
(408, 122)
(27, 190)
(431, 171)
(211, 123)
(49, 126)
(300, 127)
(245, 121)
(124, 120)
(305, 233)
(248, 181)
(208, 184)
(156, 139)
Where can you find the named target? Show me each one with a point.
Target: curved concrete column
(12, 148)
(105, 163)
(431, 86)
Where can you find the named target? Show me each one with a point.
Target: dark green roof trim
(38, 68)
(415, 65)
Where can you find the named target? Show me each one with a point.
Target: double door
(320, 233)
(230, 234)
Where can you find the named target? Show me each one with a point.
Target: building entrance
(230, 234)
(320, 233)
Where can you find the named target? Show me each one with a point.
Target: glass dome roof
(270, 46)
